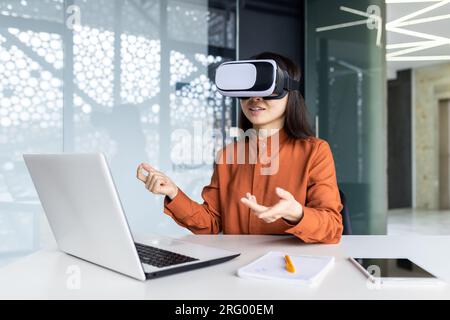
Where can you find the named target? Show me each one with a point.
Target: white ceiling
(439, 28)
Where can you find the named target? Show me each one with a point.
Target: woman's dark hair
(296, 123)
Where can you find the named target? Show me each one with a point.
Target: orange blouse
(305, 169)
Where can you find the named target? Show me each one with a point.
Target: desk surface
(46, 274)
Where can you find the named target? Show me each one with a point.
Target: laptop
(85, 214)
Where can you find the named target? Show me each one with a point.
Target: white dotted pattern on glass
(93, 67)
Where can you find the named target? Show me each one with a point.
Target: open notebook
(309, 269)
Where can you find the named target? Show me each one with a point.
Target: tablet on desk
(395, 272)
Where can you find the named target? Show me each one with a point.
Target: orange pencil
(289, 265)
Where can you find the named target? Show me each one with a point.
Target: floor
(423, 222)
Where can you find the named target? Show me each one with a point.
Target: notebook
(310, 270)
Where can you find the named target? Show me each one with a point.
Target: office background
(130, 72)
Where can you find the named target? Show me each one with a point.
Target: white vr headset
(254, 78)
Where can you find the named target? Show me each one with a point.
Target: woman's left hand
(287, 208)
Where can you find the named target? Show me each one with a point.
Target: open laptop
(85, 214)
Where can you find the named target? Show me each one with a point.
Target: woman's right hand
(156, 181)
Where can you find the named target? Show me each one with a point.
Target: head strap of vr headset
(283, 87)
(289, 83)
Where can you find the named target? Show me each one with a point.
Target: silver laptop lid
(84, 211)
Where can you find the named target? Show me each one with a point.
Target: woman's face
(265, 113)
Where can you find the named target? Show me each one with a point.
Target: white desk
(43, 275)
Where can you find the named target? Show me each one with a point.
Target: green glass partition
(346, 96)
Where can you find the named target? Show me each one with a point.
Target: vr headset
(254, 78)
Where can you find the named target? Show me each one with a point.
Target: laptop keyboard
(160, 258)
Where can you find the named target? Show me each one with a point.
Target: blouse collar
(281, 134)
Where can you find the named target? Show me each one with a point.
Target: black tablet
(395, 271)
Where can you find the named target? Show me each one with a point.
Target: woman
(301, 198)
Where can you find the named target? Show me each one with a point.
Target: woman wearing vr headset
(301, 198)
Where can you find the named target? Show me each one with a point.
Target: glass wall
(346, 95)
(118, 77)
